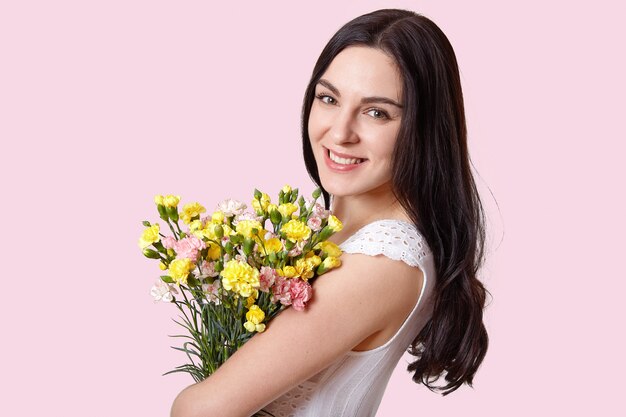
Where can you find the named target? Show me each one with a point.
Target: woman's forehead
(365, 71)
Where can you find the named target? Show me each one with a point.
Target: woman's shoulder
(396, 239)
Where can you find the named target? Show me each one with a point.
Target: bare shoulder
(379, 284)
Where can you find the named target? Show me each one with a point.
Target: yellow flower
(217, 217)
(286, 189)
(190, 211)
(330, 248)
(250, 301)
(327, 264)
(240, 277)
(262, 205)
(273, 245)
(196, 225)
(244, 227)
(271, 207)
(162, 266)
(304, 268)
(296, 230)
(254, 317)
(289, 271)
(334, 223)
(149, 236)
(158, 200)
(287, 209)
(179, 270)
(227, 230)
(214, 252)
(171, 200)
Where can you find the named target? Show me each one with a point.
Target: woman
(384, 136)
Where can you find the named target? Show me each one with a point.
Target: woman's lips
(334, 166)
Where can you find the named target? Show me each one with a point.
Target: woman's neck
(355, 211)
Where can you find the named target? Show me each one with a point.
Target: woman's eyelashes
(323, 97)
(382, 114)
(377, 113)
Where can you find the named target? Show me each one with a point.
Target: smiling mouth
(343, 161)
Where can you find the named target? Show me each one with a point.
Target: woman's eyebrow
(365, 100)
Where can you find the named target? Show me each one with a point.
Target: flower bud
(172, 212)
(149, 253)
(162, 212)
(219, 231)
(275, 216)
(257, 194)
(317, 193)
(146, 223)
(229, 247)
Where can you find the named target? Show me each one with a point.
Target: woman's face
(354, 121)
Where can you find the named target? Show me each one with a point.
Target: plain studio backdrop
(104, 104)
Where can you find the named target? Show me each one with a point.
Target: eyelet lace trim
(395, 239)
(296, 401)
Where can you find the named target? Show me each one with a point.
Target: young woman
(384, 136)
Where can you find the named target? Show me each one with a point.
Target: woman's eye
(325, 99)
(378, 114)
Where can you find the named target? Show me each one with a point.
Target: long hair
(432, 180)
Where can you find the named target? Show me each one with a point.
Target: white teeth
(343, 161)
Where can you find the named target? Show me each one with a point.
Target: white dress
(354, 384)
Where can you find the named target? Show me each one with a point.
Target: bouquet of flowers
(229, 275)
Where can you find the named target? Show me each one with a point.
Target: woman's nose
(342, 129)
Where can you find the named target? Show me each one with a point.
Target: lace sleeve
(395, 239)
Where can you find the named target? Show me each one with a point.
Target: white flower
(162, 291)
(208, 270)
(211, 291)
(231, 207)
(320, 211)
(246, 216)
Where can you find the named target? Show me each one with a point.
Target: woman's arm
(349, 304)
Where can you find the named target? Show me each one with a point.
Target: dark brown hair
(433, 182)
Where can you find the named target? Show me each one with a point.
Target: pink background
(105, 104)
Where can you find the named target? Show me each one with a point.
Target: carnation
(231, 207)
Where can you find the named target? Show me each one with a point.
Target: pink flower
(189, 247)
(320, 211)
(281, 291)
(267, 278)
(314, 223)
(208, 270)
(297, 249)
(168, 242)
(301, 292)
(211, 291)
